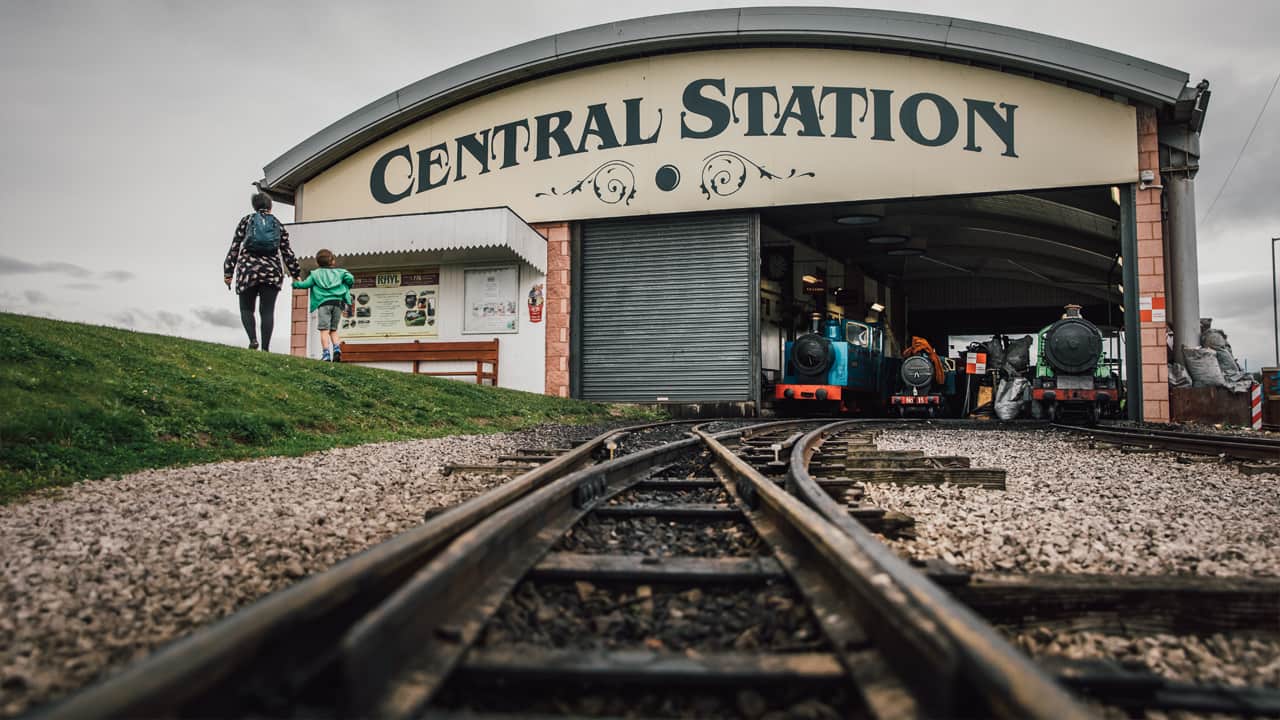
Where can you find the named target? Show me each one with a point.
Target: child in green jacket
(330, 289)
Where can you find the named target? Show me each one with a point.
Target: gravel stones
(643, 496)
(1237, 660)
(666, 702)
(586, 616)
(1072, 509)
(660, 537)
(108, 570)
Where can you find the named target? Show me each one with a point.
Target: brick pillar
(1151, 244)
(298, 326)
(557, 307)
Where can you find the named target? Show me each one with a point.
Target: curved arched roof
(1007, 49)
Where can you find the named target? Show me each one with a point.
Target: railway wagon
(926, 382)
(837, 367)
(1072, 377)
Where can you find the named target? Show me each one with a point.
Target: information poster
(492, 300)
(394, 304)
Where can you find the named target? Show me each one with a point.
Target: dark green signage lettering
(599, 125)
(948, 122)
(378, 178)
(1001, 126)
(434, 156)
(548, 132)
(883, 116)
(844, 108)
(477, 148)
(633, 123)
(755, 107)
(511, 140)
(715, 111)
(801, 107)
(709, 108)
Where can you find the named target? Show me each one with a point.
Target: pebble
(105, 571)
(1237, 659)
(1071, 509)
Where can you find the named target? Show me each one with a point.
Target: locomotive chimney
(1072, 311)
(815, 320)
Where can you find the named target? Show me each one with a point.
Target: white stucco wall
(521, 355)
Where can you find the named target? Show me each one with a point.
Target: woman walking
(259, 245)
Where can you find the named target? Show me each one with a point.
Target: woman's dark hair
(325, 258)
(261, 201)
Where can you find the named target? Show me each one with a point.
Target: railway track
(1233, 446)
(730, 573)
(1163, 603)
(258, 658)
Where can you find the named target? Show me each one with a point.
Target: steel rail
(1245, 448)
(280, 641)
(397, 656)
(959, 664)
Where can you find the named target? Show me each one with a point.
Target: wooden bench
(483, 353)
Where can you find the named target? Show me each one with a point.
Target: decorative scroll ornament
(613, 182)
(725, 172)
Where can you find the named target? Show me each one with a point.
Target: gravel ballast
(1237, 660)
(108, 570)
(1071, 509)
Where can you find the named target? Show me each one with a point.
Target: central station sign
(736, 128)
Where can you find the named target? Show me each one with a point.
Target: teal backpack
(262, 234)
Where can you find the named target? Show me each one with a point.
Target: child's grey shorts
(328, 316)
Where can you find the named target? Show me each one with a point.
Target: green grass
(84, 401)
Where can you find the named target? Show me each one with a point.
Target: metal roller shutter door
(666, 309)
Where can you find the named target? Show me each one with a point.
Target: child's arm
(304, 284)
(348, 279)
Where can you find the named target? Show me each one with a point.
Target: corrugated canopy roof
(429, 237)
(994, 46)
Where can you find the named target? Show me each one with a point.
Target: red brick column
(557, 307)
(1151, 244)
(298, 326)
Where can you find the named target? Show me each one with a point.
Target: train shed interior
(947, 269)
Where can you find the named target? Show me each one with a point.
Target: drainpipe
(1179, 163)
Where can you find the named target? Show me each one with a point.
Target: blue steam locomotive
(837, 367)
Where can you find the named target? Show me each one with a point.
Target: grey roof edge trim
(942, 37)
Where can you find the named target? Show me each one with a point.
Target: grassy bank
(84, 401)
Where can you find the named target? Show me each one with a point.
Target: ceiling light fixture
(887, 239)
(809, 279)
(877, 307)
(906, 251)
(859, 219)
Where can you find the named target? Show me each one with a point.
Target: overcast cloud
(130, 132)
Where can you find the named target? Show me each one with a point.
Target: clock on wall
(777, 265)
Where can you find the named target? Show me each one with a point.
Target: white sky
(130, 131)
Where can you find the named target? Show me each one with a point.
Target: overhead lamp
(859, 219)
(809, 279)
(905, 251)
(887, 239)
(877, 307)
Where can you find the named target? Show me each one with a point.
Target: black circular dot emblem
(668, 178)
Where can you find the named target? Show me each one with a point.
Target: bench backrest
(480, 352)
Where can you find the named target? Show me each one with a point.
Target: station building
(646, 210)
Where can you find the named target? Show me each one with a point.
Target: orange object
(921, 346)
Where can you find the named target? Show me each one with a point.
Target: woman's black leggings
(266, 295)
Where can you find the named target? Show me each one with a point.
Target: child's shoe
(337, 354)
(324, 355)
